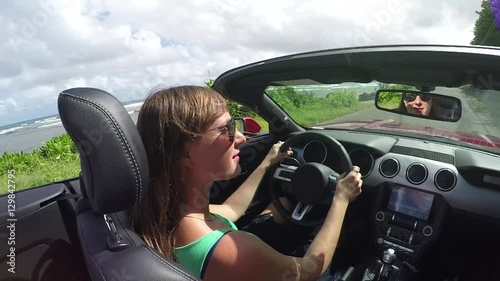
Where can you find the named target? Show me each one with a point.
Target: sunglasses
(409, 97)
(230, 128)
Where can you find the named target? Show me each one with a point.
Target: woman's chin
(235, 173)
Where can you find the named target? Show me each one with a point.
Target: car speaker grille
(431, 155)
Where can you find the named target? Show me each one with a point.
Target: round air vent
(416, 173)
(389, 167)
(445, 179)
(363, 159)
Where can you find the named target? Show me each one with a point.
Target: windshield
(351, 106)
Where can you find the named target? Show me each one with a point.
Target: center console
(407, 220)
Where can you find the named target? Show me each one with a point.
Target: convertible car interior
(430, 206)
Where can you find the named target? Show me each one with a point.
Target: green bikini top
(195, 255)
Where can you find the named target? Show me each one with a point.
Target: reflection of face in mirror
(418, 104)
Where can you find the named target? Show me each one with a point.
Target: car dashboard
(468, 179)
(416, 184)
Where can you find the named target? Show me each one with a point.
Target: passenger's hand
(349, 186)
(274, 156)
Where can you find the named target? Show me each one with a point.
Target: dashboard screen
(410, 202)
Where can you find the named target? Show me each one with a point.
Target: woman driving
(191, 142)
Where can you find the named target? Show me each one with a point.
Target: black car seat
(114, 174)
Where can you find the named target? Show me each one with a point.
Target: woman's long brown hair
(168, 119)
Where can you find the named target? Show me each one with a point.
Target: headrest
(114, 166)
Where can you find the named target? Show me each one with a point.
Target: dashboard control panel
(407, 219)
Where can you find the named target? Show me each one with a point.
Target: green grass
(50, 171)
(263, 123)
(311, 115)
(390, 104)
(318, 113)
(57, 160)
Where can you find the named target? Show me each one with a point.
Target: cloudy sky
(128, 47)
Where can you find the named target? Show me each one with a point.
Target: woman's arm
(242, 256)
(236, 205)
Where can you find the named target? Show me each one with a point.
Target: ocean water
(28, 135)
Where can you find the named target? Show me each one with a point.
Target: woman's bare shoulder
(243, 256)
(190, 230)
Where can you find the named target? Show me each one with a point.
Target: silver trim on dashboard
(371, 159)
(387, 159)
(427, 230)
(454, 179)
(417, 164)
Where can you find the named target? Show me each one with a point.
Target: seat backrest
(114, 174)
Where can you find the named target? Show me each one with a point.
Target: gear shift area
(386, 269)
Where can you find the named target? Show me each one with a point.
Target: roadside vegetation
(389, 100)
(483, 101)
(58, 158)
(485, 34)
(307, 109)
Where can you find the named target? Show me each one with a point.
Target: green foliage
(238, 110)
(57, 160)
(289, 99)
(485, 29)
(366, 96)
(389, 97)
(341, 99)
(292, 100)
(15, 161)
(320, 113)
(57, 147)
(60, 148)
(391, 100)
(308, 108)
(385, 86)
(234, 108)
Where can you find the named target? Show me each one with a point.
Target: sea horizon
(25, 136)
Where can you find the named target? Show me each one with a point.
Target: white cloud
(128, 48)
(10, 104)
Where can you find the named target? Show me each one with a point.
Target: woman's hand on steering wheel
(274, 156)
(349, 186)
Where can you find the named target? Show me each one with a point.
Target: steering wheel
(310, 182)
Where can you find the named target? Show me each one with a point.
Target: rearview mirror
(419, 104)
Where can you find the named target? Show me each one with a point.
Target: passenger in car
(191, 142)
